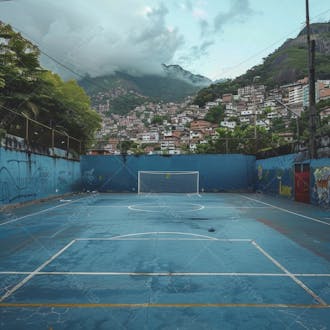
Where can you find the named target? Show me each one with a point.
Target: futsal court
(165, 261)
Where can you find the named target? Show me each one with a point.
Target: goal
(168, 182)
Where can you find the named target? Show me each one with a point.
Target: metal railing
(18, 131)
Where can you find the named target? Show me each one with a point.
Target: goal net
(168, 182)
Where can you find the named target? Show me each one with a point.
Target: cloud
(199, 13)
(195, 53)
(239, 11)
(186, 5)
(204, 27)
(97, 37)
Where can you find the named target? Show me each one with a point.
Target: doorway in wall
(302, 182)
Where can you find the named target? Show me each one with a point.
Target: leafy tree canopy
(215, 114)
(40, 94)
(243, 139)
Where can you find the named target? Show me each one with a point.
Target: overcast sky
(215, 38)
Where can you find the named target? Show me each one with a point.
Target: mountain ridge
(286, 64)
(173, 85)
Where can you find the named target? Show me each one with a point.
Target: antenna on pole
(311, 82)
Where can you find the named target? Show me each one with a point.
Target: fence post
(67, 146)
(53, 141)
(27, 131)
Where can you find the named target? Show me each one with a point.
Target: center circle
(166, 208)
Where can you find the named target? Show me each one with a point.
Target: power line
(59, 62)
(92, 82)
(272, 44)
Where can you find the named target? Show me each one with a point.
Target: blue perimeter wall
(216, 172)
(25, 177)
(276, 176)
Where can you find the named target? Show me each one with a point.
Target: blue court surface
(129, 261)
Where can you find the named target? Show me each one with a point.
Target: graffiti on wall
(285, 191)
(260, 172)
(26, 179)
(14, 183)
(89, 177)
(322, 185)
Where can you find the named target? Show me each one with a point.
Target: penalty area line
(40, 212)
(168, 274)
(34, 273)
(293, 277)
(288, 211)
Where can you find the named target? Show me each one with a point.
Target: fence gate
(302, 182)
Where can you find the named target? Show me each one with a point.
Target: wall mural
(322, 185)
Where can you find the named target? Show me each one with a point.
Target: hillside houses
(171, 128)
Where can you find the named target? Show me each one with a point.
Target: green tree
(126, 145)
(246, 139)
(157, 120)
(19, 71)
(215, 114)
(39, 94)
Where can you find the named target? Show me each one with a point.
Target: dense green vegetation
(124, 104)
(158, 120)
(158, 88)
(162, 88)
(215, 115)
(243, 139)
(38, 94)
(214, 91)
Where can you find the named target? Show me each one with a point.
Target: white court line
(120, 237)
(163, 239)
(196, 194)
(40, 212)
(238, 207)
(139, 207)
(163, 274)
(35, 272)
(160, 274)
(287, 211)
(58, 232)
(293, 277)
(148, 233)
(143, 239)
(114, 206)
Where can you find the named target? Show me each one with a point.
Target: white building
(149, 137)
(247, 113)
(167, 145)
(244, 119)
(228, 124)
(273, 115)
(296, 94)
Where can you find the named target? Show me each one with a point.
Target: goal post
(186, 182)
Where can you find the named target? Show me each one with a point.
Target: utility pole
(311, 82)
(294, 114)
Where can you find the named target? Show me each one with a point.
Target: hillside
(129, 91)
(286, 64)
